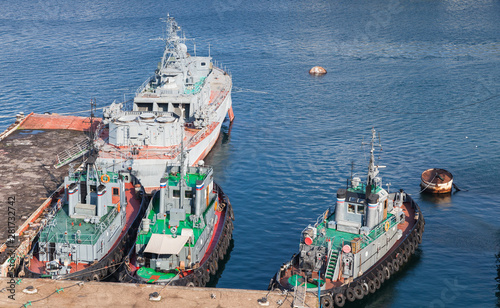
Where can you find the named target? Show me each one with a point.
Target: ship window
(203, 64)
(93, 188)
(144, 107)
(163, 107)
(115, 191)
(188, 194)
(177, 193)
(350, 208)
(361, 209)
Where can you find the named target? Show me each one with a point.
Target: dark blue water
(426, 74)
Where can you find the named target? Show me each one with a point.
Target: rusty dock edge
(64, 293)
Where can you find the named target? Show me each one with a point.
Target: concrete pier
(28, 151)
(53, 293)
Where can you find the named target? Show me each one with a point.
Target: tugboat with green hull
(86, 233)
(186, 230)
(356, 245)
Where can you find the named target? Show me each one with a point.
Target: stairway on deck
(79, 149)
(332, 262)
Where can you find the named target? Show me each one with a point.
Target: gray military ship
(149, 136)
(356, 245)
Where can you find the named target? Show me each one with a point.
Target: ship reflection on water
(442, 200)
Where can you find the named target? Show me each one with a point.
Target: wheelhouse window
(176, 193)
(115, 191)
(188, 194)
(351, 208)
(361, 209)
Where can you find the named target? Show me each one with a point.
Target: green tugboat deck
(65, 228)
(339, 238)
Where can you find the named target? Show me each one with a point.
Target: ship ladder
(332, 262)
(299, 295)
(79, 149)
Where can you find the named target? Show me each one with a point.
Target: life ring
(327, 301)
(105, 178)
(339, 300)
(349, 294)
(387, 225)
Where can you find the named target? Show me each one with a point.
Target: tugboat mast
(372, 168)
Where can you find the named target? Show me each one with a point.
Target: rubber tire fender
(377, 282)
(339, 300)
(327, 301)
(400, 259)
(405, 256)
(211, 267)
(366, 289)
(122, 276)
(196, 281)
(387, 272)
(395, 265)
(380, 276)
(349, 294)
(221, 252)
(358, 292)
(412, 248)
(390, 266)
(371, 286)
(419, 238)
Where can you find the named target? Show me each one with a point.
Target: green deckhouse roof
(162, 225)
(361, 189)
(191, 178)
(339, 238)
